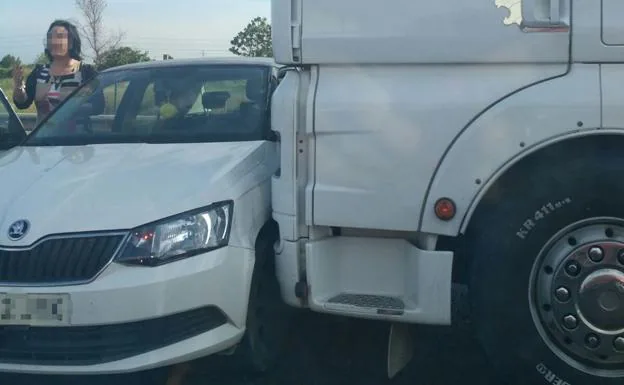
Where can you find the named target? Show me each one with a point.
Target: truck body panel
(611, 15)
(350, 31)
(288, 107)
(612, 78)
(549, 111)
(598, 32)
(381, 132)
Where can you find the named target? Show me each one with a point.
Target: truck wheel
(547, 278)
(268, 316)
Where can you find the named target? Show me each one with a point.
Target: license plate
(34, 309)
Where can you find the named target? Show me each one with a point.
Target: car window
(5, 117)
(196, 103)
(236, 90)
(113, 95)
(9, 124)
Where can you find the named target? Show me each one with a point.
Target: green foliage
(7, 86)
(254, 40)
(41, 59)
(120, 56)
(9, 61)
(5, 72)
(6, 65)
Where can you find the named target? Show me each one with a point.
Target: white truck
(478, 142)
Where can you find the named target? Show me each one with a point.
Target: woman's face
(58, 42)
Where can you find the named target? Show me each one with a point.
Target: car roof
(234, 60)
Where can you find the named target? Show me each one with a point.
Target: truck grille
(58, 260)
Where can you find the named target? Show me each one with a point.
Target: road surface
(327, 350)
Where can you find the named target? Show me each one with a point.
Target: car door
(12, 130)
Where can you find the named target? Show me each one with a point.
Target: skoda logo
(18, 229)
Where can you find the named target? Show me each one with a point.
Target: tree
(119, 56)
(6, 65)
(93, 27)
(9, 61)
(41, 59)
(254, 39)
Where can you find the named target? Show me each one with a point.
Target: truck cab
(427, 146)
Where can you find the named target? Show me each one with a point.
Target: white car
(135, 222)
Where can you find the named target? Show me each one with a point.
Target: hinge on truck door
(295, 29)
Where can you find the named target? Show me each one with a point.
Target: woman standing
(48, 85)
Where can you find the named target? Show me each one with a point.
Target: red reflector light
(445, 209)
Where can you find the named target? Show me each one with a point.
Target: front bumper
(138, 318)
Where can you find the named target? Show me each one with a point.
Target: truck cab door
(606, 46)
(12, 131)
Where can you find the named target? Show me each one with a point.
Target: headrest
(255, 89)
(217, 99)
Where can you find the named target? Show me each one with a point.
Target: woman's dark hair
(74, 44)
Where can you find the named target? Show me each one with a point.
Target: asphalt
(327, 350)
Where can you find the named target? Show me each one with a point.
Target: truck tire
(547, 277)
(268, 316)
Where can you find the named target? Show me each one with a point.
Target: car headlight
(178, 237)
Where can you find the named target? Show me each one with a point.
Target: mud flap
(400, 348)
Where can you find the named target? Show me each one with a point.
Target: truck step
(378, 278)
(379, 303)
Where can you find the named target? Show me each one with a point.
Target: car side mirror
(12, 131)
(11, 139)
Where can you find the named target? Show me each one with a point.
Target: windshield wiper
(42, 142)
(81, 141)
(121, 139)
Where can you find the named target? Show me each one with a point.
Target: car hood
(118, 186)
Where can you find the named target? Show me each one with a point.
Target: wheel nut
(562, 294)
(621, 257)
(596, 254)
(570, 322)
(573, 268)
(618, 344)
(592, 341)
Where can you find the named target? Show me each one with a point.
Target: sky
(180, 28)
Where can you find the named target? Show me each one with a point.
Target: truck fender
(503, 135)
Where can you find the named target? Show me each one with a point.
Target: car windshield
(192, 103)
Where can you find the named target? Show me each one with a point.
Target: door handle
(545, 15)
(555, 11)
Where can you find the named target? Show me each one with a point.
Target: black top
(48, 91)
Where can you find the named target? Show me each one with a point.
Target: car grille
(90, 345)
(58, 260)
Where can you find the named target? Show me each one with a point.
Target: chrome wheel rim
(576, 296)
